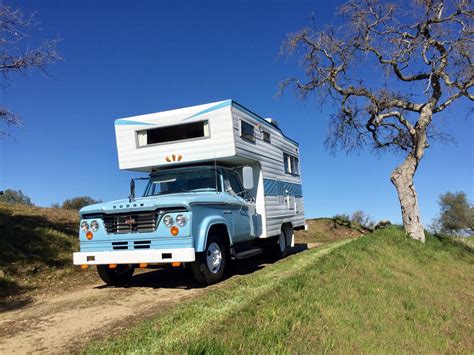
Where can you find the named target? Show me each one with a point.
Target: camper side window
(174, 133)
(291, 164)
(247, 131)
(266, 136)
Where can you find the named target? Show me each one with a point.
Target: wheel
(280, 248)
(119, 276)
(210, 265)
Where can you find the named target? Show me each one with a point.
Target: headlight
(84, 226)
(168, 221)
(94, 226)
(180, 220)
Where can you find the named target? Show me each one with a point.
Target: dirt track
(68, 321)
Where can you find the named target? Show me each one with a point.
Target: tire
(280, 248)
(120, 276)
(209, 267)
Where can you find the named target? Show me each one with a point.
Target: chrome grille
(136, 222)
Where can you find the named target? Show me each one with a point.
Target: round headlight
(94, 226)
(180, 220)
(84, 226)
(168, 221)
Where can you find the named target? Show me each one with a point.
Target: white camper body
(222, 133)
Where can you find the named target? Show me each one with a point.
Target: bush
(361, 218)
(15, 197)
(77, 203)
(457, 215)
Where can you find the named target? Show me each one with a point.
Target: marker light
(95, 226)
(181, 220)
(84, 226)
(174, 231)
(168, 221)
(89, 235)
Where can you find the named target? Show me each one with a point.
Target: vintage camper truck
(221, 182)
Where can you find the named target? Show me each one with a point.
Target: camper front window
(181, 132)
(179, 181)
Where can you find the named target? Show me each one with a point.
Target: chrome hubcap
(214, 258)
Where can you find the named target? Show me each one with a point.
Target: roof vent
(272, 121)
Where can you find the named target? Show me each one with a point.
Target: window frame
(269, 137)
(253, 139)
(288, 161)
(206, 128)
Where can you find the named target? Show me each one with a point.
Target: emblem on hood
(130, 220)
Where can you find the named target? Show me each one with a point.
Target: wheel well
(219, 230)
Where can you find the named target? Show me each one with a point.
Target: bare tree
(424, 55)
(16, 56)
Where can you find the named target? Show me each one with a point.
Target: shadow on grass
(180, 278)
(26, 240)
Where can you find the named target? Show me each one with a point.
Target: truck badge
(130, 220)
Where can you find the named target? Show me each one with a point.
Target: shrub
(456, 216)
(77, 203)
(15, 197)
(361, 218)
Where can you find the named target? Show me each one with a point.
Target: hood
(152, 202)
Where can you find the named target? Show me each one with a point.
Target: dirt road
(65, 322)
(69, 320)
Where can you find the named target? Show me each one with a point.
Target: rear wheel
(210, 265)
(119, 276)
(280, 248)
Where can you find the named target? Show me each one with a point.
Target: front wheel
(210, 265)
(119, 276)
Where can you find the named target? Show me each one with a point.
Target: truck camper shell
(221, 133)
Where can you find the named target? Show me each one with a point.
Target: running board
(248, 253)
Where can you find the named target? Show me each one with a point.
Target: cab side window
(233, 183)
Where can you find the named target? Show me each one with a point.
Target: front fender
(203, 231)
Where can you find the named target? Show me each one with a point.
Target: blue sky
(128, 58)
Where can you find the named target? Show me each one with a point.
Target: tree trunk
(402, 178)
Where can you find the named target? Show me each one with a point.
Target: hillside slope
(34, 241)
(379, 293)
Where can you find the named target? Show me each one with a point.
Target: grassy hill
(34, 241)
(380, 293)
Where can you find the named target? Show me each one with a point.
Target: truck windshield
(171, 182)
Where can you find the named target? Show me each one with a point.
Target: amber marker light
(176, 264)
(84, 267)
(112, 266)
(89, 235)
(142, 265)
(174, 231)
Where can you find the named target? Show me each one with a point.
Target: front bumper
(134, 256)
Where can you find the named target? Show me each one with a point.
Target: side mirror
(131, 197)
(247, 177)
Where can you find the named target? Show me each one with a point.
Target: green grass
(379, 293)
(33, 240)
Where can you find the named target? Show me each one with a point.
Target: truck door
(243, 209)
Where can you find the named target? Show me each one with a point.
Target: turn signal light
(89, 235)
(142, 265)
(174, 231)
(112, 266)
(175, 264)
(84, 267)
